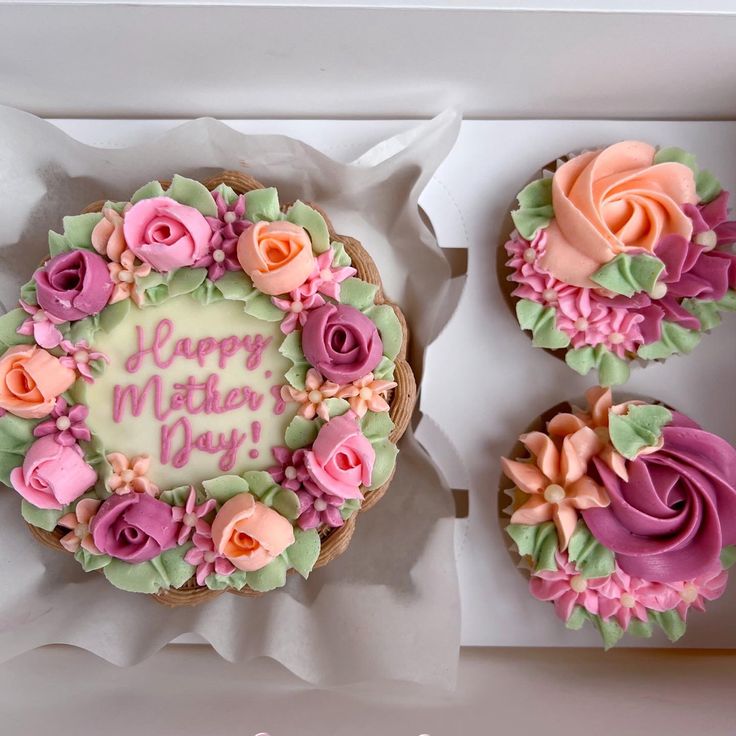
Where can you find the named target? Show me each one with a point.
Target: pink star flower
(290, 472)
(192, 516)
(312, 399)
(41, 325)
(206, 559)
(226, 228)
(693, 593)
(325, 278)
(79, 356)
(129, 474)
(317, 508)
(78, 522)
(66, 424)
(366, 394)
(297, 309)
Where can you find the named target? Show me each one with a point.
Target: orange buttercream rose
(249, 533)
(31, 380)
(276, 255)
(610, 201)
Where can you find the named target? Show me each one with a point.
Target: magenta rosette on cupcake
(166, 234)
(341, 343)
(134, 527)
(646, 530)
(73, 285)
(622, 254)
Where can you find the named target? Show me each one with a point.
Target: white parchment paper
(388, 608)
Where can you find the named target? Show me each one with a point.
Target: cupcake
(623, 515)
(620, 254)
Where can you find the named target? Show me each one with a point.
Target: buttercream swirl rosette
(200, 388)
(620, 254)
(624, 515)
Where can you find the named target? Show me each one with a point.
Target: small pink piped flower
(621, 333)
(129, 474)
(584, 319)
(41, 325)
(66, 424)
(77, 522)
(317, 509)
(366, 394)
(297, 309)
(290, 472)
(206, 559)
(79, 356)
(312, 399)
(627, 597)
(694, 593)
(325, 278)
(124, 274)
(226, 228)
(191, 516)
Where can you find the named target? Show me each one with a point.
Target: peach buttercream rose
(249, 533)
(276, 255)
(31, 380)
(612, 201)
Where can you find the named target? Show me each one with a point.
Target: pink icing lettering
(253, 454)
(228, 446)
(279, 406)
(255, 431)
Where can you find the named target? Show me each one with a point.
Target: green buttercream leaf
(225, 487)
(175, 570)
(262, 485)
(384, 318)
(262, 204)
(542, 321)
(286, 502)
(589, 555)
(349, 507)
(192, 193)
(376, 425)
(226, 192)
(117, 206)
(300, 433)
(148, 191)
(291, 347)
(144, 577)
(151, 281)
(236, 580)
(707, 186)
(90, 562)
(385, 462)
(340, 257)
(78, 229)
(259, 305)
(577, 619)
(535, 208)
(384, 371)
(113, 315)
(677, 155)
(728, 556)
(612, 370)
(312, 221)
(297, 375)
(639, 428)
(304, 552)
(175, 496)
(642, 629)
(185, 280)
(45, 519)
(728, 302)
(538, 542)
(674, 339)
(9, 324)
(670, 622)
(629, 275)
(269, 577)
(610, 631)
(85, 328)
(58, 244)
(357, 293)
(337, 407)
(706, 312)
(235, 285)
(8, 462)
(28, 292)
(16, 433)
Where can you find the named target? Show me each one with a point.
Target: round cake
(620, 254)
(200, 389)
(622, 515)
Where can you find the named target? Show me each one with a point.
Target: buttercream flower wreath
(271, 300)
(624, 515)
(620, 254)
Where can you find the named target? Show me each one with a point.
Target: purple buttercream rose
(341, 343)
(677, 511)
(134, 527)
(73, 285)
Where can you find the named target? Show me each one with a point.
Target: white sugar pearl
(290, 472)
(530, 255)
(81, 356)
(708, 239)
(296, 307)
(554, 493)
(319, 505)
(579, 584)
(549, 295)
(229, 217)
(218, 255)
(63, 423)
(689, 593)
(189, 519)
(126, 277)
(659, 291)
(366, 393)
(616, 338)
(627, 600)
(39, 317)
(210, 556)
(127, 476)
(581, 324)
(315, 396)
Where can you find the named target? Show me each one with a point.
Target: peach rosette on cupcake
(309, 345)
(622, 254)
(623, 515)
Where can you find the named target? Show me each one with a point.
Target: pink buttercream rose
(52, 475)
(611, 201)
(165, 234)
(276, 255)
(341, 458)
(134, 527)
(341, 343)
(249, 533)
(31, 379)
